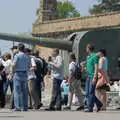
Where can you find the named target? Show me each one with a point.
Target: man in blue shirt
(21, 65)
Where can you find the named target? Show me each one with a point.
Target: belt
(22, 71)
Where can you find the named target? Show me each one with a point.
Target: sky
(17, 16)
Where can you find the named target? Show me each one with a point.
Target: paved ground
(6, 114)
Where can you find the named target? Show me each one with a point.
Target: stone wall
(77, 24)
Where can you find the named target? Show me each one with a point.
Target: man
(39, 76)
(92, 71)
(20, 65)
(33, 93)
(2, 79)
(14, 51)
(75, 84)
(56, 66)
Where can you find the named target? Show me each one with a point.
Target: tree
(66, 9)
(105, 6)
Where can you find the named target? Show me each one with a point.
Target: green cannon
(76, 42)
(46, 42)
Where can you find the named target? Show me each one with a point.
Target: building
(47, 10)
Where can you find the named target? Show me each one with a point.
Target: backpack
(42, 67)
(45, 67)
(77, 73)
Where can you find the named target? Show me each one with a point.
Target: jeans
(20, 89)
(38, 87)
(6, 85)
(65, 100)
(56, 94)
(2, 95)
(91, 98)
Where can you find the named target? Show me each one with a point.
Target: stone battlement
(77, 24)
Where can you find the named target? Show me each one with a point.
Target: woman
(102, 77)
(9, 77)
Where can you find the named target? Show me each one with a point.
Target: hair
(21, 47)
(72, 56)
(8, 56)
(36, 53)
(14, 47)
(103, 51)
(91, 47)
(56, 50)
(27, 50)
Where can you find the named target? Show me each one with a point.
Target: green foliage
(66, 9)
(105, 6)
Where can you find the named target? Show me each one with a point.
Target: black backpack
(42, 67)
(45, 67)
(77, 73)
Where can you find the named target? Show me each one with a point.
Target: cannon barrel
(46, 42)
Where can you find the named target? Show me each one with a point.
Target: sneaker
(41, 104)
(58, 109)
(30, 107)
(50, 109)
(99, 107)
(80, 108)
(38, 107)
(67, 108)
(17, 110)
(88, 111)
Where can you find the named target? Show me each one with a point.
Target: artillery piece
(76, 42)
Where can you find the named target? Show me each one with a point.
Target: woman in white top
(103, 70)
(9, 72)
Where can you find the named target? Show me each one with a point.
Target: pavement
(6, 114)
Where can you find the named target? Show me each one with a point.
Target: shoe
(67, 108)
(80, 108)
(41, 104)
(11, 107)
(17, 110)
(88, 111)
(30, 107)
(25, 110)
(50, 109)
(58, 109)
(99, 107)
(38, 107)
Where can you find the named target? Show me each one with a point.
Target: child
(65, 91)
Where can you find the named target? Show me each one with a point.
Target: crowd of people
(24, 72)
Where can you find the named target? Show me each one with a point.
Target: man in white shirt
(33, 94)
(75, 85)
(56, 66)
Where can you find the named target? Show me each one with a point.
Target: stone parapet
(77, 24)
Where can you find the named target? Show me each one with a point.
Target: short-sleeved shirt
(103, 65)
(90, 64)
(58, 73)
(65, 87)
(72, 67)
(31, 74)
(21, 61)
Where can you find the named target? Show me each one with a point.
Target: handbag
(101, 80)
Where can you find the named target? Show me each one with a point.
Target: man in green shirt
(92, 71)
